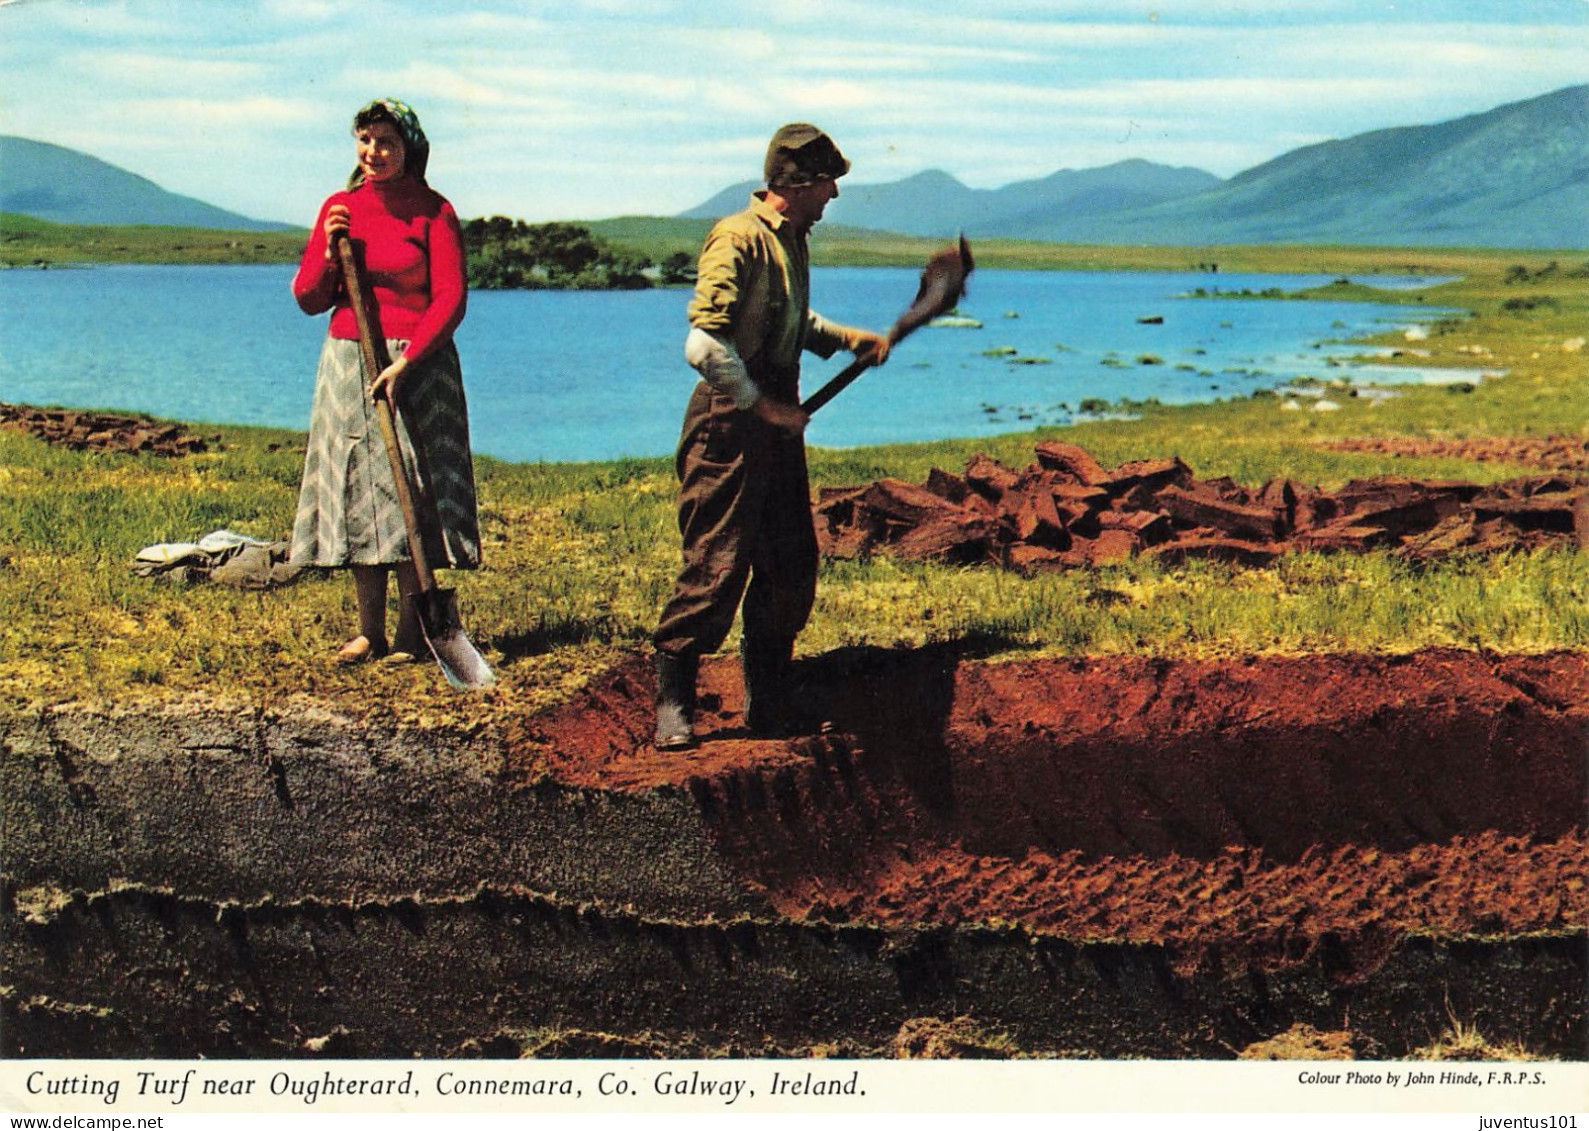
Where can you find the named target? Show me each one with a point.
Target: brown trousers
(745, 519)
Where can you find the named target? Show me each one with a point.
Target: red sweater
(413, 260)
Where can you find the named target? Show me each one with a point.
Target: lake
(564, 376)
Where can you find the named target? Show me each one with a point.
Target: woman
(410, 243)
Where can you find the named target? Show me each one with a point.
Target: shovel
(943, 281)
(460, 661)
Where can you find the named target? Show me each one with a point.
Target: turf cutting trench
(1100, 857)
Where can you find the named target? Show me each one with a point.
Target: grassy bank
(580, 557)
(27, 242)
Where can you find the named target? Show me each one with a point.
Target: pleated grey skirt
(348, 513)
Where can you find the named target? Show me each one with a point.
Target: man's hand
(872, 348)
(781, 414)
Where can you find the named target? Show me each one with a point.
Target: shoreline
(1280, 368)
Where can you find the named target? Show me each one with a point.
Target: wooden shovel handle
(836, 384)
(373, 350)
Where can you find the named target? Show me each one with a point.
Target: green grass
(1305, 603)
(26, 241)
(579, 558)
(654, 237)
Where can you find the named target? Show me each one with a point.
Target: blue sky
(594, 108)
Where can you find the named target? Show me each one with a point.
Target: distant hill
(1045, 206)
(731, 199)
(933, 202)
(1514, 176)
(51, 182)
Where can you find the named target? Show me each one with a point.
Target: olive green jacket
(753, 291)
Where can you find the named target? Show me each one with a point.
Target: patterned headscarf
(416, 147)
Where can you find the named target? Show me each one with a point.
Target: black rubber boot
(675, 701)
(769, 675)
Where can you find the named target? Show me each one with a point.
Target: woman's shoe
(359, 650)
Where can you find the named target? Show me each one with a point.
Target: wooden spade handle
(373, 349)
(836, 384)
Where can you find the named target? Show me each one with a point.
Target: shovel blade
(461, 662)
(943, 283)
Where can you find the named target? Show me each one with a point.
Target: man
(744, 499)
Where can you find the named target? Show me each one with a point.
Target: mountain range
(54, 183)
(933, 202)
(1514, 176)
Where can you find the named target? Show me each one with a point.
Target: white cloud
(206, 114)
(586, 107)
(302, 12)
(152, 70)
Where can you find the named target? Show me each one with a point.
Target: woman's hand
(337, 218)
(386, 382)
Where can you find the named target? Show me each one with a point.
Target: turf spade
(943, 281)
(460, 661)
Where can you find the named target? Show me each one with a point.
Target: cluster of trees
(513, 255)
(1517, 273)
